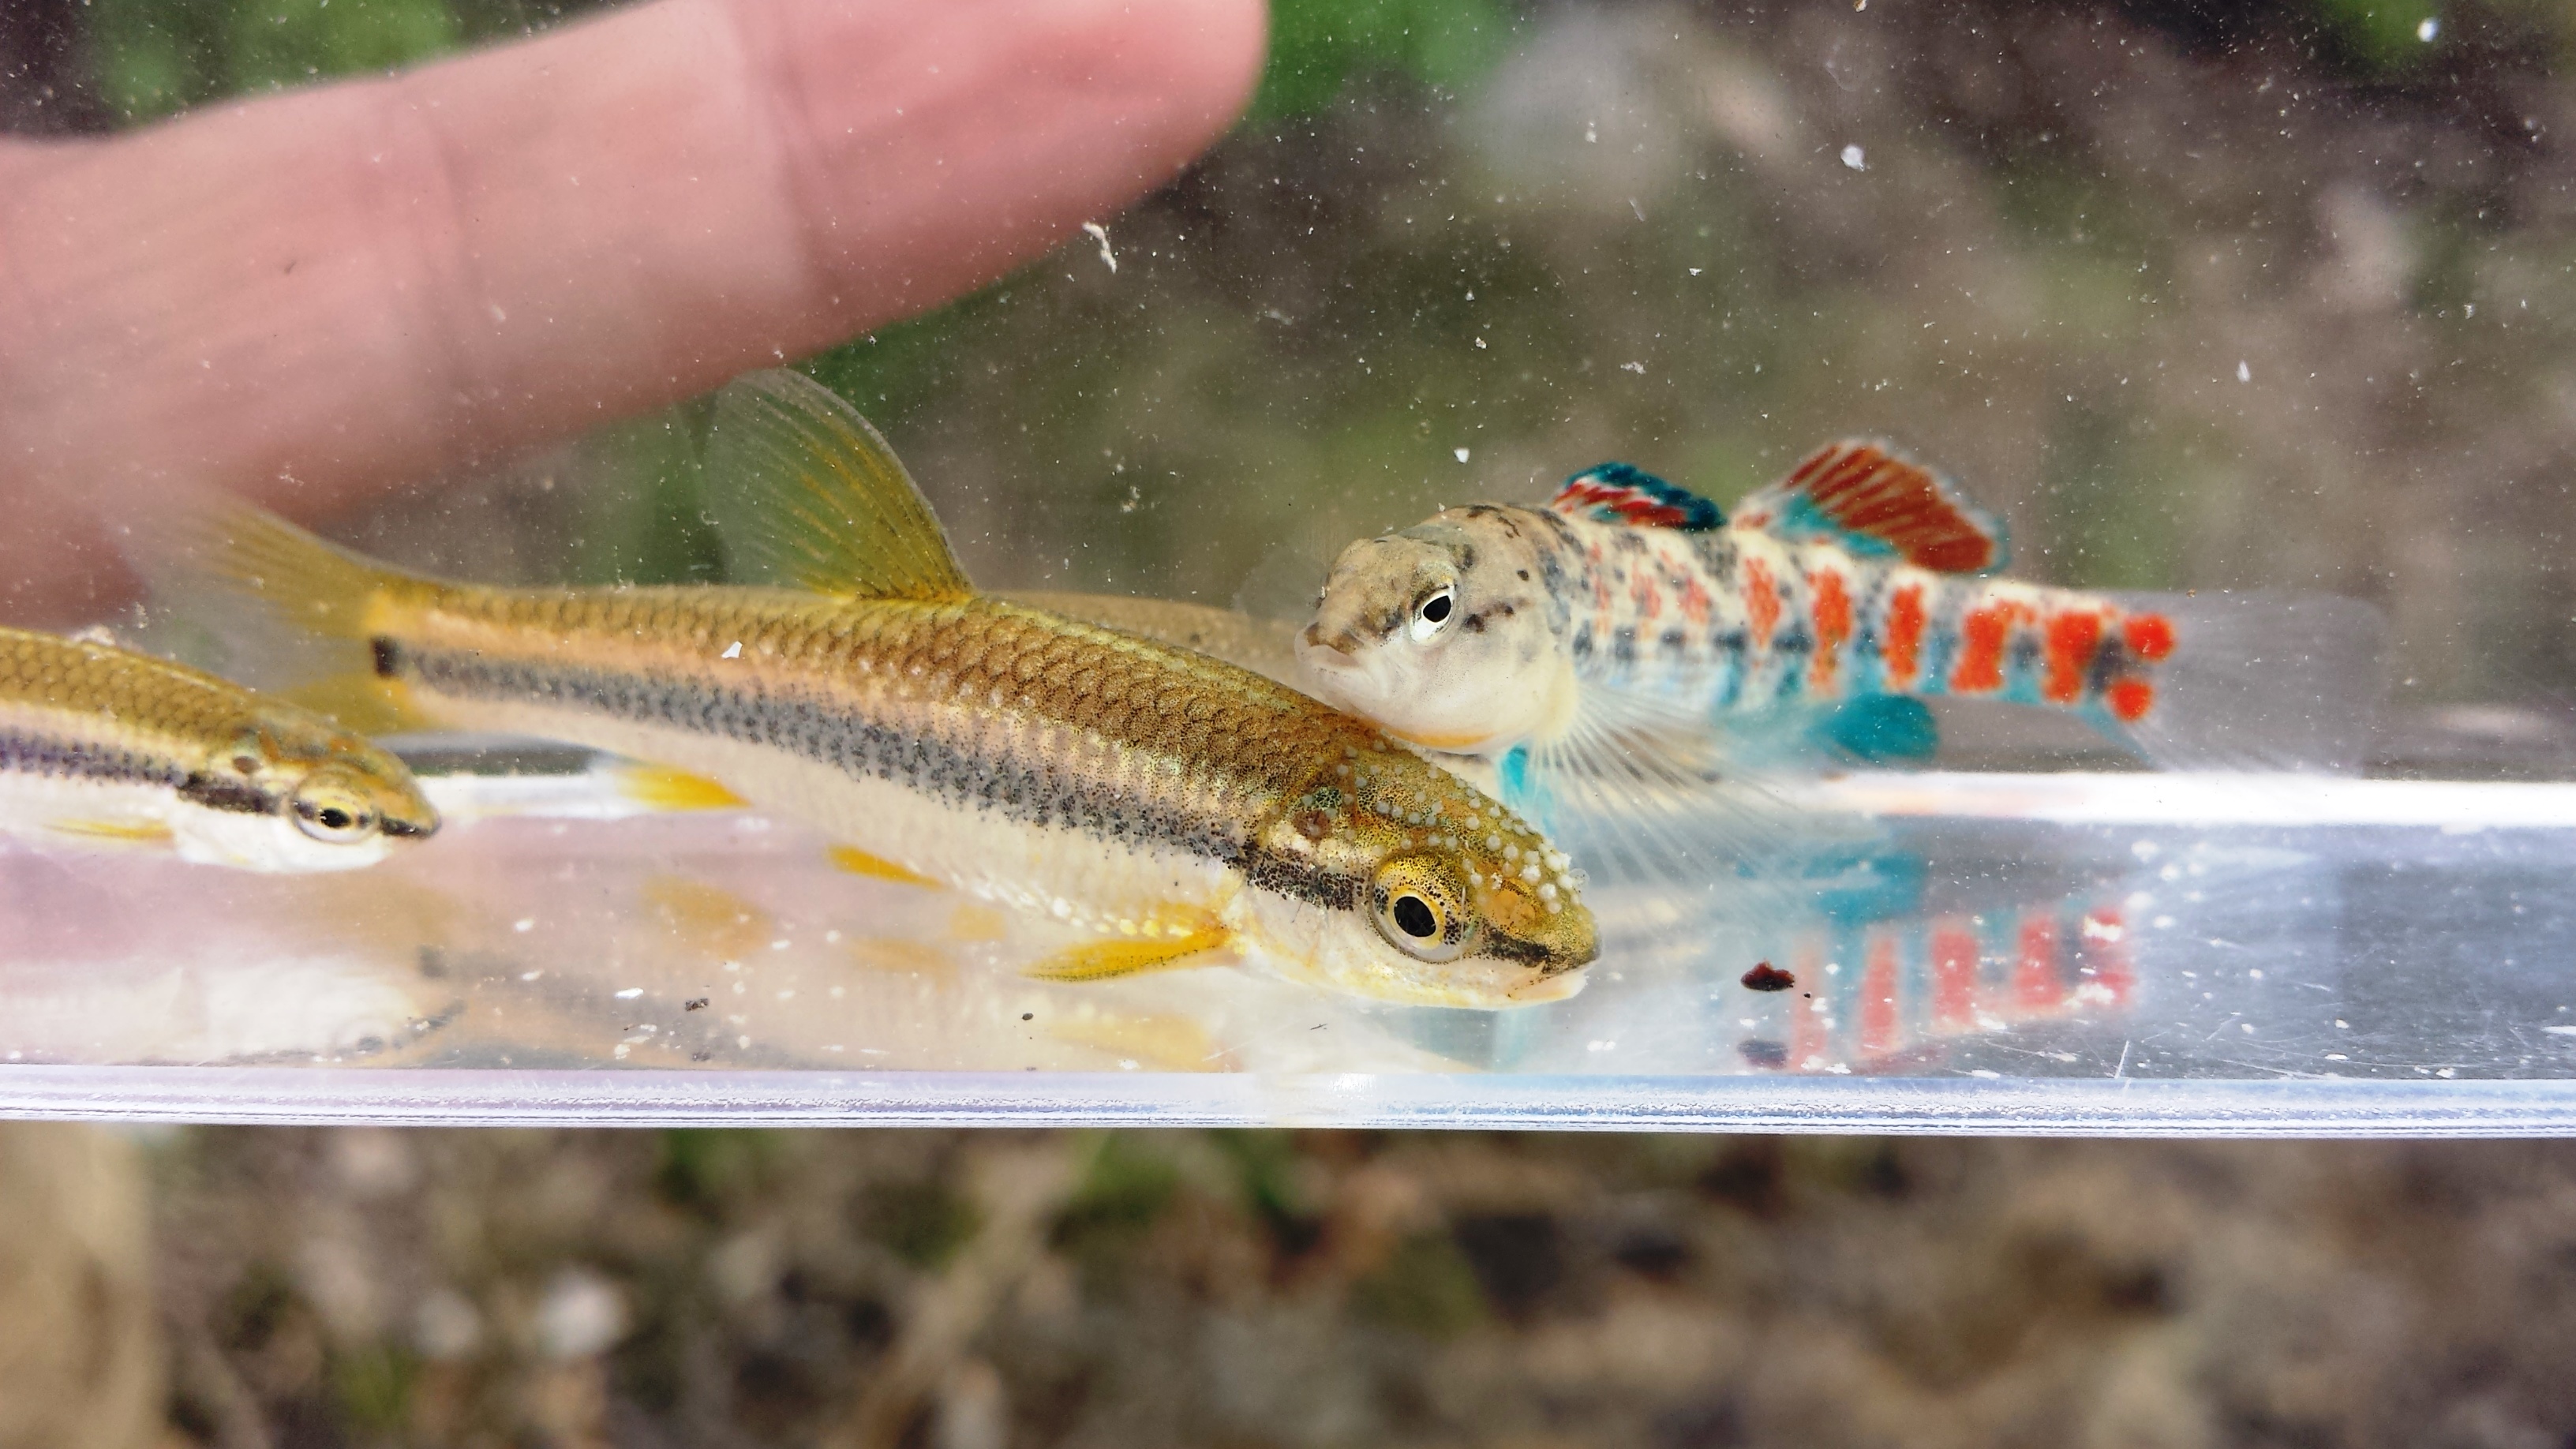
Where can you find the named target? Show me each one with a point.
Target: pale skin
(310, 298)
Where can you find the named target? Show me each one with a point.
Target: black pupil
(334, 818)
(1414, 918)
(1435, 608)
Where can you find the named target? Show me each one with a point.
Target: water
(2276, 302)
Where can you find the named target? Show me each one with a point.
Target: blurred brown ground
(982, 1289)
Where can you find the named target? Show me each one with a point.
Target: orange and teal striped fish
(1631, 621)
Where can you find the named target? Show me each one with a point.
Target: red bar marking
(2130, 699)
(2148, 636)
(1954, 974)
(1879, 1020)
(2036, 985)
(2106, 941)
(1761, 602)
(1833, 625)
(2073, 636)
(1695, 599)
(1643, 593)
(1980, 669)
(1904, 635)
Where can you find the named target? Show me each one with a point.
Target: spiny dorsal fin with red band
(1874, 500)
(1619, 493)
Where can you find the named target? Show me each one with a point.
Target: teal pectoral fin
(807, 495)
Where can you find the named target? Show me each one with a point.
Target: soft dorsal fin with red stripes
(1876, 501)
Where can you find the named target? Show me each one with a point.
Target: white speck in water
(2429, 27)
(581, 1315)
(1100, 234)
(1591, 133)
(1638, 368)
(2448, 1072)
(630, 993)
(619, 1051)
(524, 925)
(742, 1042)
(2560, 1030)
(2246, 1027)
(2337, 1057)
(780, 945)
(732, 650)
(2342, 1025)
(1462, 454)
(1855, 158)
(1986, 1075)
(530, 975)
(2243, 373)
(1694, 271)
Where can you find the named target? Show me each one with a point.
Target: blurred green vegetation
(2192, 299)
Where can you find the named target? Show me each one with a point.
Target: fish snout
(1345, 641)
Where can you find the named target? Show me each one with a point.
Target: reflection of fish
(105, 747)
(1885, 996)
(1175, 805)
(1631, 623)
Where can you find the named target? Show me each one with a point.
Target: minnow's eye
(1433, 614)
(331, 813)
(1418, 912)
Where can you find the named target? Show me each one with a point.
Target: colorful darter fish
(1633, 635)
(1174, 805)
(103, 747)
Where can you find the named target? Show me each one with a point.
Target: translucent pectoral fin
(1109, 960)
(877, 867)
(114, 832)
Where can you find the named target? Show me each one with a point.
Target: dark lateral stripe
(1032, 792)
(44, 755)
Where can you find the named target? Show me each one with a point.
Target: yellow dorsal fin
(807, 496)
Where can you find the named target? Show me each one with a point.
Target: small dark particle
(694, 1003)
(701, 1056)
(1766, 977)
(1028, 1016)
(1762, 1053)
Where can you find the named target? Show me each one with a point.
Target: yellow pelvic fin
(125, 832)
(806, 495)
(859, 862)
(1108, 960)
(661, 787)
(706, 918)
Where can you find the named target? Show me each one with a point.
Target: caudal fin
(273, 606)
(2261, 680)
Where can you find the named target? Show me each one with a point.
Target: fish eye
(330, 813)
(1416, 914)
(1433, 614)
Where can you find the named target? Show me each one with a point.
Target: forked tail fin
(275, 607)
(2261, 680)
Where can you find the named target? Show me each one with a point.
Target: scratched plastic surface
(2069, 952)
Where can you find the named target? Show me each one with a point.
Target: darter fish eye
(1433, 613)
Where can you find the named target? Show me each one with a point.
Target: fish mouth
(1346, 642)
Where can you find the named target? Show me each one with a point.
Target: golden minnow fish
(100, 746)
(1178, 806)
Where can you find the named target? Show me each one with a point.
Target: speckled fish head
(1440, 633)
(303, 796)
(1429, 893)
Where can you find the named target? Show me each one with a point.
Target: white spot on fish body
(732, 650)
